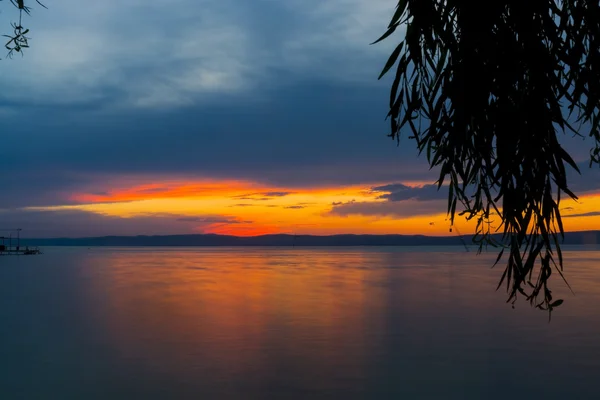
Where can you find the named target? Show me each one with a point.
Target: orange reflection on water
(239, 307)
(305, 321)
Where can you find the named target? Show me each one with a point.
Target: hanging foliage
(17, 41)
(485, 91)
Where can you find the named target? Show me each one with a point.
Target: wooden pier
(11, 246)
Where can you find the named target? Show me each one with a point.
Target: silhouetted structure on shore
(10, 245)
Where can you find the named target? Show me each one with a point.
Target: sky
(216, 116)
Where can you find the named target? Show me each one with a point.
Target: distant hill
(587, 237)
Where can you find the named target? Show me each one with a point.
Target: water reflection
(298, 323)
(248, 319)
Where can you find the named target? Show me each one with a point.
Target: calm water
(288, 324)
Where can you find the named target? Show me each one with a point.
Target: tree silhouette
(485, 90)
(17, 41)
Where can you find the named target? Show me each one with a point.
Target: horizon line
(275, 234)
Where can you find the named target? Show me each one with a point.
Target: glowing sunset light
(246, 208)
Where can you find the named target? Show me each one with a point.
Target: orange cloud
(165, 191)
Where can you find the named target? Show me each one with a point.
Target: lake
(290, 323)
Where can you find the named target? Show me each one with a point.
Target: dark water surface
(255, 323)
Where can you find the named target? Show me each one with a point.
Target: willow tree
(17, 41)
(485, 91)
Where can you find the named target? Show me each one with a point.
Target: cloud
(212, 220)
(220, 89)
(74, 223)
(253, 199)
(586, 182)
(189, 219)
(280, 93)
(277, 194)
(338, 28)
(296, 207)
(400, 192)
(402, 209)
(262, 196)
(157, 54)
(400, 201)
(587, 214)
(167, 55)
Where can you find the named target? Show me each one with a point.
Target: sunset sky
(216, 116)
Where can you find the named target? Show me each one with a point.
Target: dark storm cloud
(261, 144)
(262, 138)
(35, 186)
(400, 192)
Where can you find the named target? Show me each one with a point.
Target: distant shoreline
(285, 240)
